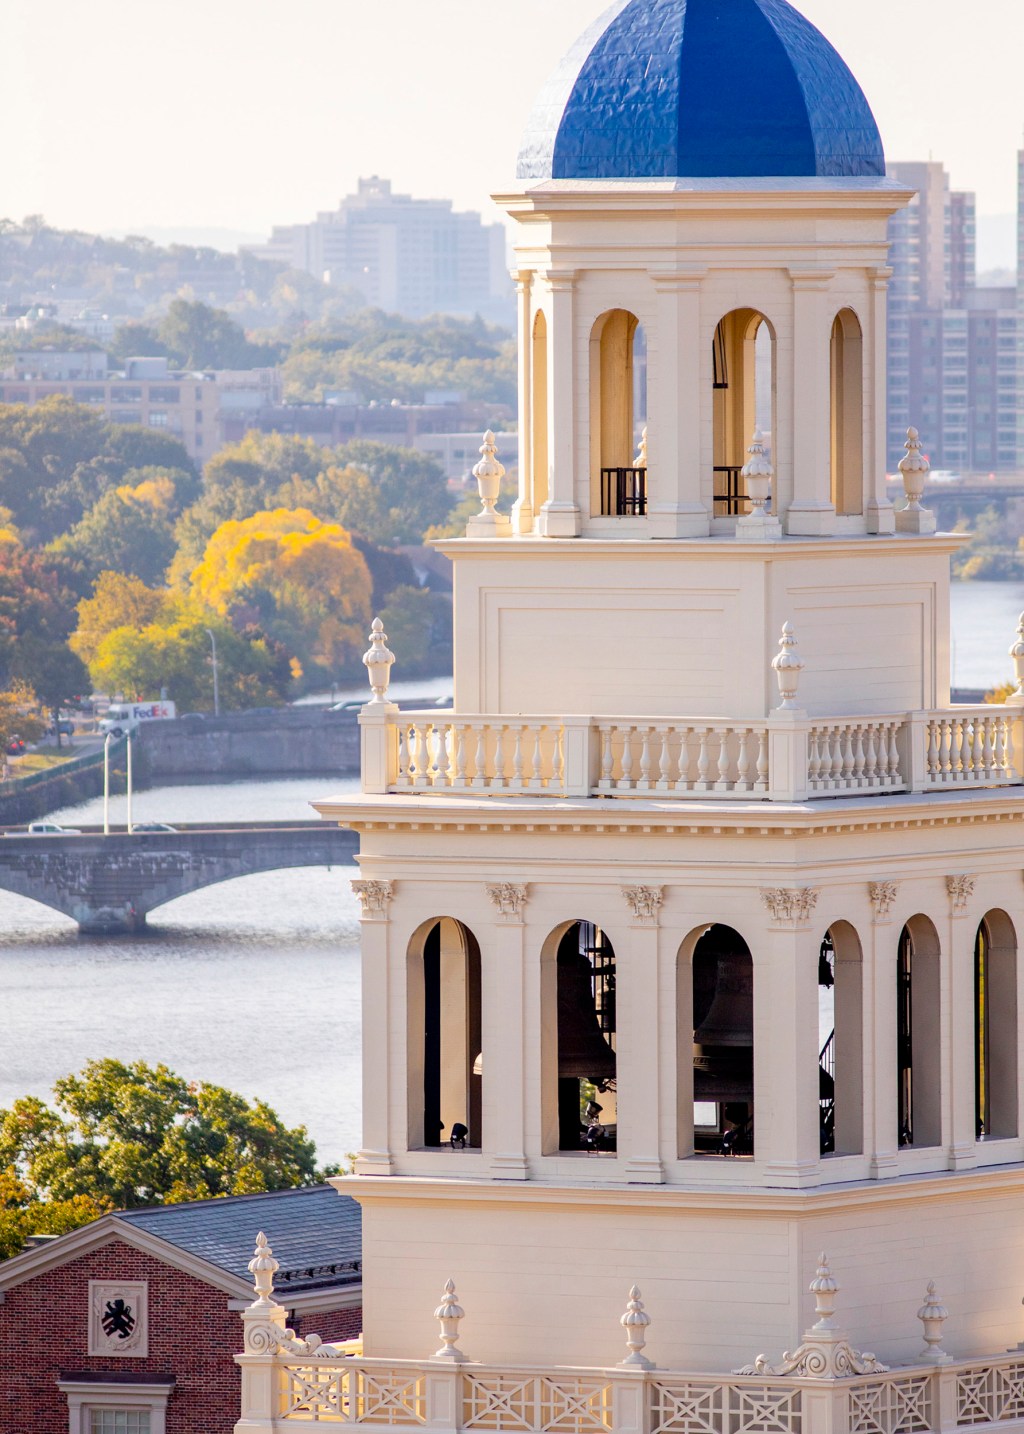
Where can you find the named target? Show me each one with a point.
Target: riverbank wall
(25, 799)
(290, 741)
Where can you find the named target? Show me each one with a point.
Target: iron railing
(623, 492)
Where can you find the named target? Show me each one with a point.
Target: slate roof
(701, 88)
(315, 1233)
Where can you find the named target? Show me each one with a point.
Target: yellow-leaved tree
(300, 579)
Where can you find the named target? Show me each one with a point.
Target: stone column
(522, 508)
(809, 410)
(638, 1004)
(379, 1054)
(881, 1113)
(560, 515)
(786, 1111)
(880, 513)
(675, 507)
(502, 998)
(959, 1133)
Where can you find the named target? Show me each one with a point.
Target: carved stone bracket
(826, 1352)
(374, 898)
(961, 889)
(645, 903)
(883, 894)
(509, 898)
(790, 907)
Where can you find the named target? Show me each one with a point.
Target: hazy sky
(242, 113)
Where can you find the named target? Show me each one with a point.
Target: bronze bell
(583, 1051)
(723, 1039)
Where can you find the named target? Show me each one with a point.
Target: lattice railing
(572, 1404)
(892, 1404)
(694, 1406)
(990, 1395)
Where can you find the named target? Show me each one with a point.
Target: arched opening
(618, 411)
(840, 1028)
(918, 1035)
(539, 413)
(722, 1051)
(743, 383)
(582, 1066)
(847, 413)
(995, 1027)
(445, 1059)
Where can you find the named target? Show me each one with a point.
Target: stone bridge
(109, 884)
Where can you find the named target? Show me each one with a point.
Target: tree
(388, 495)
(18, 718)
(37, 610)
(302, 579)
(200, 337)
(117, 601)
(264, 462)
(419, 628)
(58, 675)
(120, 1136)
(129, 530)
(45, 453)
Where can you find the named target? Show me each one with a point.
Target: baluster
(460, 756)
(626, 763)
(743, 761)
(420, 757)
(537, 779)
(987, 751)
(893, 772)
(829, 759)
(966, 762)
(480, 757)
(848, 759)
(934, 756)
(859, 757)
(557, 758)
(517, 762)
(606, 760)
(703, 763)
(761, 785)
(871, 759)
(446, 773)
(813, 759)
(684, 783)
(438, 755)
(644, 784)
(723, 784)
(664, 762)
(1000, 751)
(978, 749)
(1009, 756)
(404, 757)
(498, 779)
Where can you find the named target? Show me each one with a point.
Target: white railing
(786, 757)
(409, 1395)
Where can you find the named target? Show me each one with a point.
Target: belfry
(689, 934)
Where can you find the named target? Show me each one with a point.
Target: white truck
(122, 717)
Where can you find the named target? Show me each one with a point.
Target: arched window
(918, 1035)
(847, 413)
(581, 1067)
(722, 1050)
(841, 1062)
(539, 413)
(445, 1061)
(995, 1027)
(618, 409)
(743, 382)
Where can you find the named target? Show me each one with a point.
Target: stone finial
(635, 1322)
(757, 476)
(914, 467)
(640, 461)
(824, 1288)
(1017, 654)
(448, 1313)
(263, 1267)
(378, 659)
(933, 1316)
(787, 666)
(488, 474)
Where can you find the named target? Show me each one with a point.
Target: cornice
(787, 548)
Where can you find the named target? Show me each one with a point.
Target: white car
(50, 829)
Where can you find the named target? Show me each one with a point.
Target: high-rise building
(721, 971)
(404, 255)
(952, 346)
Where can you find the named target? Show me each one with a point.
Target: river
(254, 984)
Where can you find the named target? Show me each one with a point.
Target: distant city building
(955, 367)
(458, 452)
(195, 407)
(404, 255)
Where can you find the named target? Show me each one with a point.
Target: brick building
(129, 1325)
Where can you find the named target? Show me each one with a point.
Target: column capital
(559, 281)
(523, 279)
(882, 894)
(644, 903)
(811, 280)
(374, 898)
(686, 280)
(880, 277)
(510, 899)
(960, 889)
(789, 907)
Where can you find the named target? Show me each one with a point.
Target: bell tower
(689, 934)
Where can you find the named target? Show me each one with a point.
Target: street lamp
(216, 687)
(106, 783)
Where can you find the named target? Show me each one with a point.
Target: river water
(254, 984)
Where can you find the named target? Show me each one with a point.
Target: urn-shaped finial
(448, 1313)
(933, 1315)
(488, 474)
(378, 659)
(824, 1287)
(757, 473)
(1017, 654)
(787, 666)
(635, 1322)
(263, 1268)
(640, 461)
(914, 468)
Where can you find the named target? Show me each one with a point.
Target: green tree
(386, 494)
(120, 1136)
(129, 530)
(419, 626)
(57, 675)
(200, 337)
(116, 601)
(37, 610)
(45, 455)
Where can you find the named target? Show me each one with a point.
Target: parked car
(15, 747)
(152, 827)
(351, 706)
(51, 829)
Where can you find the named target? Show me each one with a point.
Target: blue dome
(662, 89)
